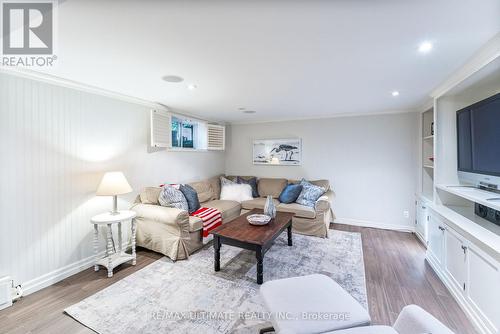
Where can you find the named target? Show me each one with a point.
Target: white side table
(112, 260)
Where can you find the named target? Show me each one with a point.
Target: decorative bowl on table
(258, 219)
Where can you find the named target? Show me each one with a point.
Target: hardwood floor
(396, 275)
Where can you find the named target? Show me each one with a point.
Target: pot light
(395, 93)
(425, 47)
(172, 78)
(192, 87)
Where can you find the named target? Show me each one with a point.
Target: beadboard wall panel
(55, 145)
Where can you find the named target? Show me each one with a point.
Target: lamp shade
(112, 184)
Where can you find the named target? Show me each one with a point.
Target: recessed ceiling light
(192, 86)
(395, 93)
(425, 47)
(172, 78)
(249, 111)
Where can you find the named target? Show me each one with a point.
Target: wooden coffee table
(240, 233)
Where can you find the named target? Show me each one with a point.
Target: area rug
(190, 297)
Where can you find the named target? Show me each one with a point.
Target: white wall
(55, 144)
(369, 160)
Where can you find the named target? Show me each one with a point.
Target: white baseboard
(367, 223)
(57, 275)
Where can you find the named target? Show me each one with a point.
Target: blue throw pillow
(309, 194)
(290, 193)
(252, 182)
(191, 197)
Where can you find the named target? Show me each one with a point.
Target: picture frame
(277, 152)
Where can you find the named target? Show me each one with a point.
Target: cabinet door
(421, 226)
(436, 239)
(455, 258)
(482, 291)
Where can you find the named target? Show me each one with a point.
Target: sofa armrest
(414, 319)
(161, 214)
(324, 202)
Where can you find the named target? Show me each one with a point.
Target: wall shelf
(473, 194)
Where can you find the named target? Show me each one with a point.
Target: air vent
(216, 137)
(160, 128)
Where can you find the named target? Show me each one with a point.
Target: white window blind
(216, 137)
(160, 128)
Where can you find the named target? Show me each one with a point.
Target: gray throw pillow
(191, 197)
(309, 194)
(252, 182)
(174, 198)
(224, 181)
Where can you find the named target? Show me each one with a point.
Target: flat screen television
(478, 142)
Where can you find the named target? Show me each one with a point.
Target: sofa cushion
(215, 185)
(204, 190)
(195, 223)
(252, 182)
(299, 210)
(290, 193)
(229, 209)
(320, 183)
(191, 197)
(272, 187)
(310, 193)
(172, 197)
(236, 192)
(314, 294)
(257, 203)
(149, 195)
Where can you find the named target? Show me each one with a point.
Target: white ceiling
(284, 59)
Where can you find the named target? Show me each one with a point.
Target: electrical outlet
(406, 214)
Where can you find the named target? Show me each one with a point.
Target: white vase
(269, 207)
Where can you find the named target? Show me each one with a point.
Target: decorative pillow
(224, 181)
(191, 197)
(236, 192)
(149, 195)
(174, 198)
(309, 194)
(290, 193)
(252, 182)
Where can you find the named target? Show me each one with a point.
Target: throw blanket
(211, 219)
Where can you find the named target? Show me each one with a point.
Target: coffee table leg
(260, 266)
(289, 228)
(217, 253)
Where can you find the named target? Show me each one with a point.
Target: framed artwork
(285, 152)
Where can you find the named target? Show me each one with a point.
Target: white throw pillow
(236, 192)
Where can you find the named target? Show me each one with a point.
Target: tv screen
(478, 132)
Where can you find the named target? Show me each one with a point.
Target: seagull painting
(288, 151)
(277, 152)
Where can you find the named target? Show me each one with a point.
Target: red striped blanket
(211, 219)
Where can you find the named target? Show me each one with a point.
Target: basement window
(188, 134)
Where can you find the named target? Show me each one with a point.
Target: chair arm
(414, 319)
(162, 214)
(324, 202)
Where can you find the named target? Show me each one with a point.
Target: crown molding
(375, 113)
(485, 55)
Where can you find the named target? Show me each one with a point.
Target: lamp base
(115, 211)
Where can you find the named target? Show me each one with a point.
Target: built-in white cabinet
(455, 255)
(435, 247)
(483, 288)
(470, 274)
(421, 220)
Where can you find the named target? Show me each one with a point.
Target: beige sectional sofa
(174, 233)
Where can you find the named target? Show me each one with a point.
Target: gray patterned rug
(189, 297)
